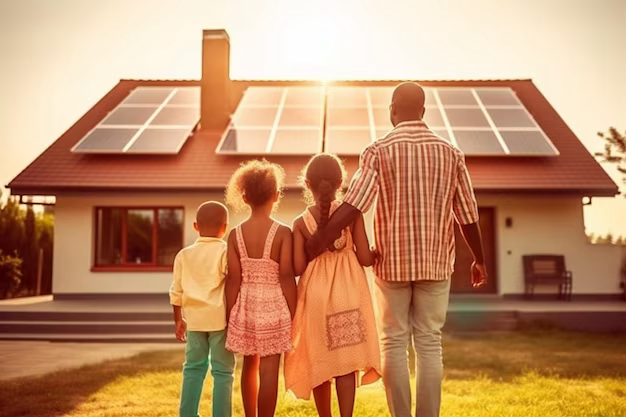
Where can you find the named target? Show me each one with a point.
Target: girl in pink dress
(334, 331)
(260, 286)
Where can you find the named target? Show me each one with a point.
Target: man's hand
(376, 256)
(479, 275)
(181, 330)
(315, 246)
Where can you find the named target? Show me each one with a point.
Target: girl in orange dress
(260, 286)
(334, 331)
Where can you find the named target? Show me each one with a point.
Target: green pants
(202, 346)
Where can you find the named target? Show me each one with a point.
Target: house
(130, 173)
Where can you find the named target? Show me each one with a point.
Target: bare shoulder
(283, 230)
(232, 236)
(298, 223)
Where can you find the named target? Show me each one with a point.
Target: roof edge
(25, 190)
(298, 80)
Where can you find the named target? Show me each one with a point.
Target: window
(138, 238)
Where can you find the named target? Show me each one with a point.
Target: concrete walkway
(20, 359)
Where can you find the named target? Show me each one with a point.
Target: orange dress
(334, 332)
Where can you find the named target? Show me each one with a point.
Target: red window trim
(127, 266)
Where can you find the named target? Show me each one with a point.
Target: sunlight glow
(312, 46)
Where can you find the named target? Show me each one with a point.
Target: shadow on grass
(57, 394)
(503, 356)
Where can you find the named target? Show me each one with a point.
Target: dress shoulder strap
(243, 252)
(270, 240)
(309, 221)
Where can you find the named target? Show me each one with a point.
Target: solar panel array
(277, 120)
(304, 120)
(151, 120)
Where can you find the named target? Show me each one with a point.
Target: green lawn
(541, 373)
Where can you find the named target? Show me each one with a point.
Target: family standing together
(241, 297)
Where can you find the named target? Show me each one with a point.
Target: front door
(461, 277)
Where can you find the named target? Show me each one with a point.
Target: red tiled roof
(198, 167)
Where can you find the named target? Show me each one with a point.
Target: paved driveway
(20, 359)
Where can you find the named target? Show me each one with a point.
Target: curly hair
(257, 180)
(325, 174)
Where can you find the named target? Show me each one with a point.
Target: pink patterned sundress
(260, 323)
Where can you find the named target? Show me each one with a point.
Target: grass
(529, 374)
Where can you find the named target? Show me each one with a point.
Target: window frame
(127, 266)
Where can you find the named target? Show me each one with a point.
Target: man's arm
(323, 239)
(466, 212)
(359, 198)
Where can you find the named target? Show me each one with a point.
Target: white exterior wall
(74, 240)
(540, 225)
(550, 225)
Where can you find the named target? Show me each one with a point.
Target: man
(422, 185)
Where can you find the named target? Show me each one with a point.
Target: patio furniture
(547, 269)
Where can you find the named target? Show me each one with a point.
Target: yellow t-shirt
(198, 285)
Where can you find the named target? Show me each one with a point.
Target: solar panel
(129, 116)
(350, 141)
(106, 140)
(497, 97)
(150, 120)
(347, 116)
(186, 96)
(148, 95)
(481, 121)
(349, 97)
(153, 140)
(471, 117)
(305, 140)
(527, 142)
(301, 116)
(176, 116)
(276, 120)
(433, 118)
(478, 142)
(456, 96)
(245, 141)
(511, 118)
(255, 117)
(381, 118)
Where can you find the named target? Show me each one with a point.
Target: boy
(197, 293)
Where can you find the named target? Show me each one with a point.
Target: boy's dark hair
(211, 216)
(325, 173)
(258, 180)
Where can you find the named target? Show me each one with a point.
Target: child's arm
(363, 252)
(299, 254)
(176, 299)
(287, 279)
(233, 278)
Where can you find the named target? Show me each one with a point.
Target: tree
(30, 251)
(10, 275)
(11, 226)
(24, 235)
(614, 150)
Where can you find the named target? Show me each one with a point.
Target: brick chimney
(215, 92)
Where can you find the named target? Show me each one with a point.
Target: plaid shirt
(422, 184)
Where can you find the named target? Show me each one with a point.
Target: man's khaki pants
(417, 307)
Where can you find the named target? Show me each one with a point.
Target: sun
(312, 46)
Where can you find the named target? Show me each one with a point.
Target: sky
(58, 58)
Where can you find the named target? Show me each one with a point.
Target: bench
(547, 269)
